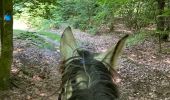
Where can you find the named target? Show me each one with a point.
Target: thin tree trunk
(6, 27)
(160, 19)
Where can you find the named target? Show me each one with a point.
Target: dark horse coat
(87, 75)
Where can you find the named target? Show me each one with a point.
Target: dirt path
(55, 43)
(35, 71)
(95, 43)
(145, 72)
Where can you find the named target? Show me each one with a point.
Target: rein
(68, 63)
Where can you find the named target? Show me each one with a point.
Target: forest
(39, 38)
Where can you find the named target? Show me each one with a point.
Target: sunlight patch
(18, 24)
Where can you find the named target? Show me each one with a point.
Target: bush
(138, 38)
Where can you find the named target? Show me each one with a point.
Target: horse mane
(96, 83)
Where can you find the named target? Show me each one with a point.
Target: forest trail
(94, 41)
(145, 73)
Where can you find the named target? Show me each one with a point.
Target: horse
(87, 75)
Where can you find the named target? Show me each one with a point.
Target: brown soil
(145, 73)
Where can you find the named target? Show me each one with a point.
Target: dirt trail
(96, 43)
(145, 72)
(35, 71)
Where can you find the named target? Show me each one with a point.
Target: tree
(34, 8)
(160, 23)
(162, 19)
(6, 33)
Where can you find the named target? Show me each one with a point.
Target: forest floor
(145, 72)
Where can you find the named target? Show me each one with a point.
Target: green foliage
(38, 13)
(78, 13)
(34, 39)
(50, 35)
(166, 12)
(137, 38)
(30, 36)
(139, 14)
(89, 14)
(41, 23)
(43, 8)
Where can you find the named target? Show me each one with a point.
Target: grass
(17, 32)
(50, 35)
(137, 38)
(35, 39)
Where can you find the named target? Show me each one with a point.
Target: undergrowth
(137, 38)
(35, 39)
(50, 35)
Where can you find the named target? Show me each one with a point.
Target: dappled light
(167, 61)
(33, 51)
(17, 50)
(14, 70)
(18, 24)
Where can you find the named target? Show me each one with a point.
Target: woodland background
(30, 54)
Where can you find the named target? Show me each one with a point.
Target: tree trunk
(160, 19)
(6, 27)
(166, 36)
(161, 26)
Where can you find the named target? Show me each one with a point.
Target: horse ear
(112, 54)
(67, 44)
